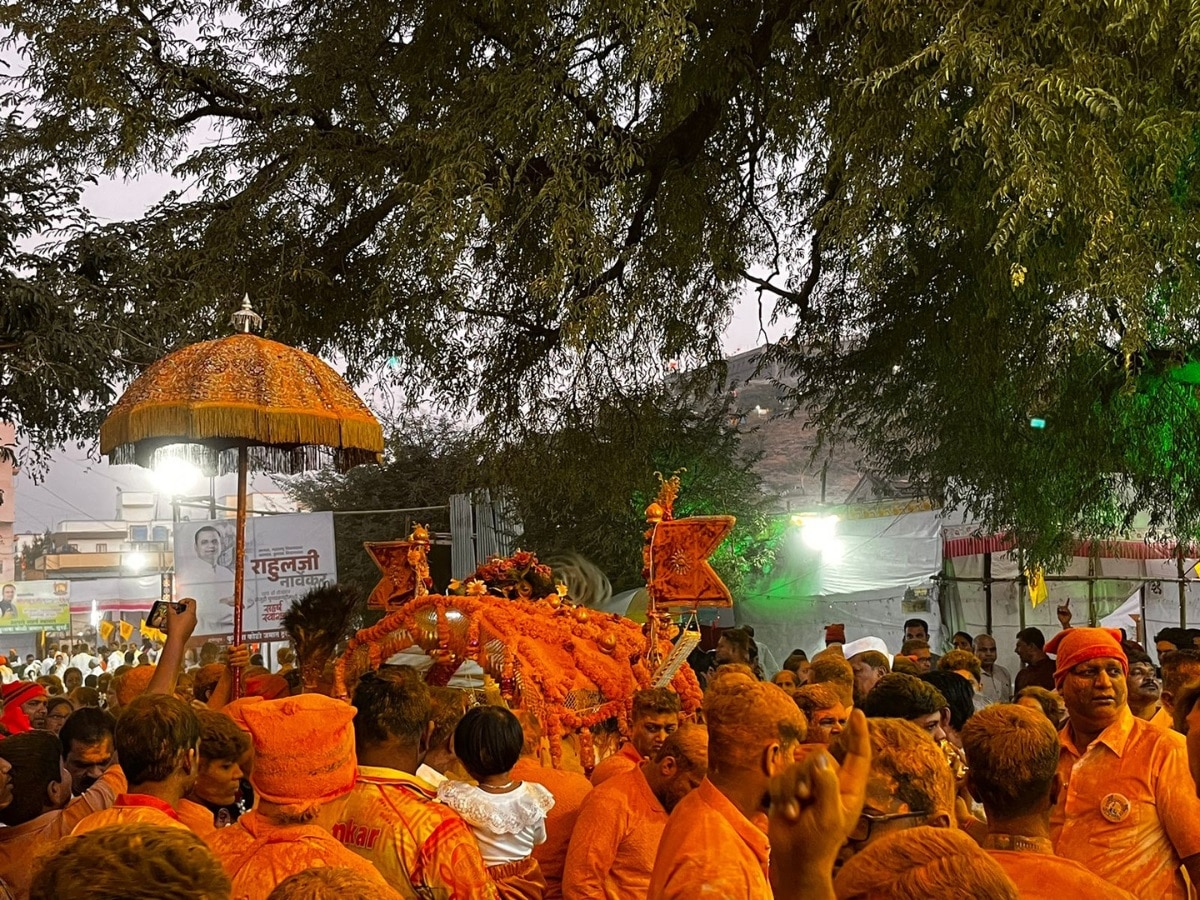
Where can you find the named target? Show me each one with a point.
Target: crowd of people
(857, 773)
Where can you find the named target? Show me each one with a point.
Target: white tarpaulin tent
(878, 572)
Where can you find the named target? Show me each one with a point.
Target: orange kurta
(615, 841)
(1162, 719)
(1043, 876)
(1128, 809)
(198, 818)
(21, 845)
(257, 854)
(569, 790)
(393, 820)
(130, 808)
(709, 848)
(623, 760)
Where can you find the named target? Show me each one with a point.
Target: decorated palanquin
(570, 666)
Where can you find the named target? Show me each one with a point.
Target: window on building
(139, 533)
(160, 534)
(102, 548)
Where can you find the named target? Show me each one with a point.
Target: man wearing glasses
(1127, 810)
(910, 785)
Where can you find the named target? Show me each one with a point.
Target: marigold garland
(572, 667)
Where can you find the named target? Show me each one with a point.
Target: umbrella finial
(246, 319)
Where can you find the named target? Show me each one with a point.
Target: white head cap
(864, 644)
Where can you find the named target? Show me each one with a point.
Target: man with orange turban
(621, 823)
(569, 790)
(655, 716)
(1127, 810)
(391, 817)
(303, 759)
(715, 842)
(24, 706)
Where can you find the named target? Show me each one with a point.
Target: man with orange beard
(655, 717)
(620, 824)
(715, 841)
(1127, 810)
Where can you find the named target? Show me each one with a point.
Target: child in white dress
(507, 817)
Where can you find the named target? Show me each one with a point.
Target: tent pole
(1022, 585)
(987, 588)
(1182, 588)
(1091, 591)
(239, 567)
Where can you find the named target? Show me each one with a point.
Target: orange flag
(680, 574)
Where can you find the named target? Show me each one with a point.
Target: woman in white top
(507, 817)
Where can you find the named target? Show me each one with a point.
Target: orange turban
(133, 684)
(1073, 646)
(303, 747)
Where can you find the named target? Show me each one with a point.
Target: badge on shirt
(1115, 807)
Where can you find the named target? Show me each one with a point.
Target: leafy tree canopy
(976, 212)
(581, 487)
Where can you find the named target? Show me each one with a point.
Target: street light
(136, 561)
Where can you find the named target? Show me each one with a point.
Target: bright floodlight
(819, 532)
(135, 562)
(173, 475)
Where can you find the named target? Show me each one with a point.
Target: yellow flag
(126, 630)
(106, 630)
(1037, 587)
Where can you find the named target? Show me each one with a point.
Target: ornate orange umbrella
(239, 400)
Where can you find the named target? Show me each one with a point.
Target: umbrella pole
(239, 570)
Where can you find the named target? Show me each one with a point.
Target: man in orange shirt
(1179, 668)
(42, 811)
(616, 839)
(715, 842)
(655, 716)
(1012, 754)
(569, 790)
(157, 740)
(1127, 810)
(303, 759)
(390, 817)
(88, 749)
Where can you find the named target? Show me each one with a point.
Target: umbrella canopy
(287, 406)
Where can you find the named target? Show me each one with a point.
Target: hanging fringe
(221, 458)
(186, 423)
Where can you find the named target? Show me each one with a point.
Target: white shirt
(997, 686)
(82, 662)
(116, 659)
(506, 826)
(47, 665)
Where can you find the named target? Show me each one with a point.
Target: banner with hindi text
(286, 557)
(27, 606)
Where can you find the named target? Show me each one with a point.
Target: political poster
(27, 606)
(286, 557)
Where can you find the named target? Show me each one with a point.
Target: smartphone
(158, 614)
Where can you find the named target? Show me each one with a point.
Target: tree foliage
(975, 212)
(585, 484)
(581, 487)
(426, 460)
(1009, 231)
